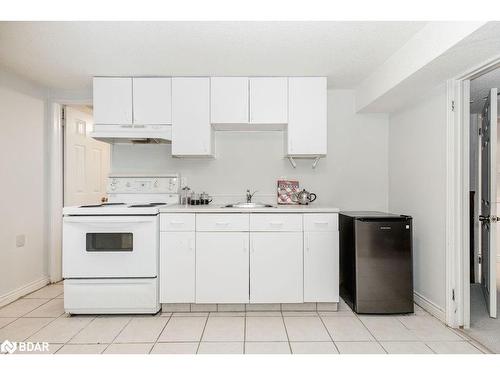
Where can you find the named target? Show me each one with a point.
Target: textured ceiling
(65, 55)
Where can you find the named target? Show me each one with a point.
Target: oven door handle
(107, 220)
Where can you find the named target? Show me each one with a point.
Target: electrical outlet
(20, 240)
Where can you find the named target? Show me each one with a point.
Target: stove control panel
(143, 185)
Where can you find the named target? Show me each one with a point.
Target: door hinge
(63, 114)
(453, 294)
(453, 105)
(480, 131)
(479, 259)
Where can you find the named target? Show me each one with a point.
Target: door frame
(457, 231)
(56, 182)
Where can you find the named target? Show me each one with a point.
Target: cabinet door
(269, 100)
(276, 268)
(222, 267)
(321, 266)
(112, 97)
(177, 267)
(229, 100)
(307, 123)
(191, 129)
(152, 101)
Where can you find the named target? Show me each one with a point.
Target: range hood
(133, 133)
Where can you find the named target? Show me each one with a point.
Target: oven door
(110, 246)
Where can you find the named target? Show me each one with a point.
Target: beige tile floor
(40, 317)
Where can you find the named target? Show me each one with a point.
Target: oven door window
(110, 242)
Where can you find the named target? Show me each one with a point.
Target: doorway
(86, 161)
(74, 156)
(484, 172)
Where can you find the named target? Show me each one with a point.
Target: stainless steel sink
(248, 205)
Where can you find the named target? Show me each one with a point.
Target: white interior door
(488, 215)
(86, 161)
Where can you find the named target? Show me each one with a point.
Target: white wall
(417, 182)
(23, 193)
(354, 175)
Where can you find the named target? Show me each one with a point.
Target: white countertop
(216, 208)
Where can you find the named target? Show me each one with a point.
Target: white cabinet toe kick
(254, 308)
(249, 262)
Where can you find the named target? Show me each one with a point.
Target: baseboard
(429, 306)
(24, 290)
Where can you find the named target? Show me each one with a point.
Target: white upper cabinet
(196, 106)
(307, 121)
(269, 100)
(191, 129)
(152, 101)
(112, 100)
(229, 100)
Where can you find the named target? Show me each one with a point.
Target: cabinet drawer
(222, 222)
(176, 222)
(276, 222)
(321, 222)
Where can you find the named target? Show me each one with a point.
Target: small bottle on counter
(185, 195)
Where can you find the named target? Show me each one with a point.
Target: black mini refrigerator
(376, 266)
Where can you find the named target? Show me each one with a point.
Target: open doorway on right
(484, 210)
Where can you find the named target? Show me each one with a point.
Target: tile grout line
(430, 348)
(481, 347)
(371, 333)
(202, 333)
(16, 318)
(245, 332)
(286, 331)
(331, 338)
(80, 330)
(50, 322)
(53, 320)
(161, 331)
(118, 334)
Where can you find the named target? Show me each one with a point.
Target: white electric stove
(110, 250)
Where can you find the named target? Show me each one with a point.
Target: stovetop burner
(101, 205)
(152, 204)
(147, 204)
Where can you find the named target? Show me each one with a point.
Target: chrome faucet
(250, 196)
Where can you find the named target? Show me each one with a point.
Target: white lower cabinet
(222, 267)
(249, 258)
(321, 262)
(177, 267)
(276, 267)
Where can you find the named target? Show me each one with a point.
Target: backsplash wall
(347, 178)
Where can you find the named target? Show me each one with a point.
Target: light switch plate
(20, 240)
